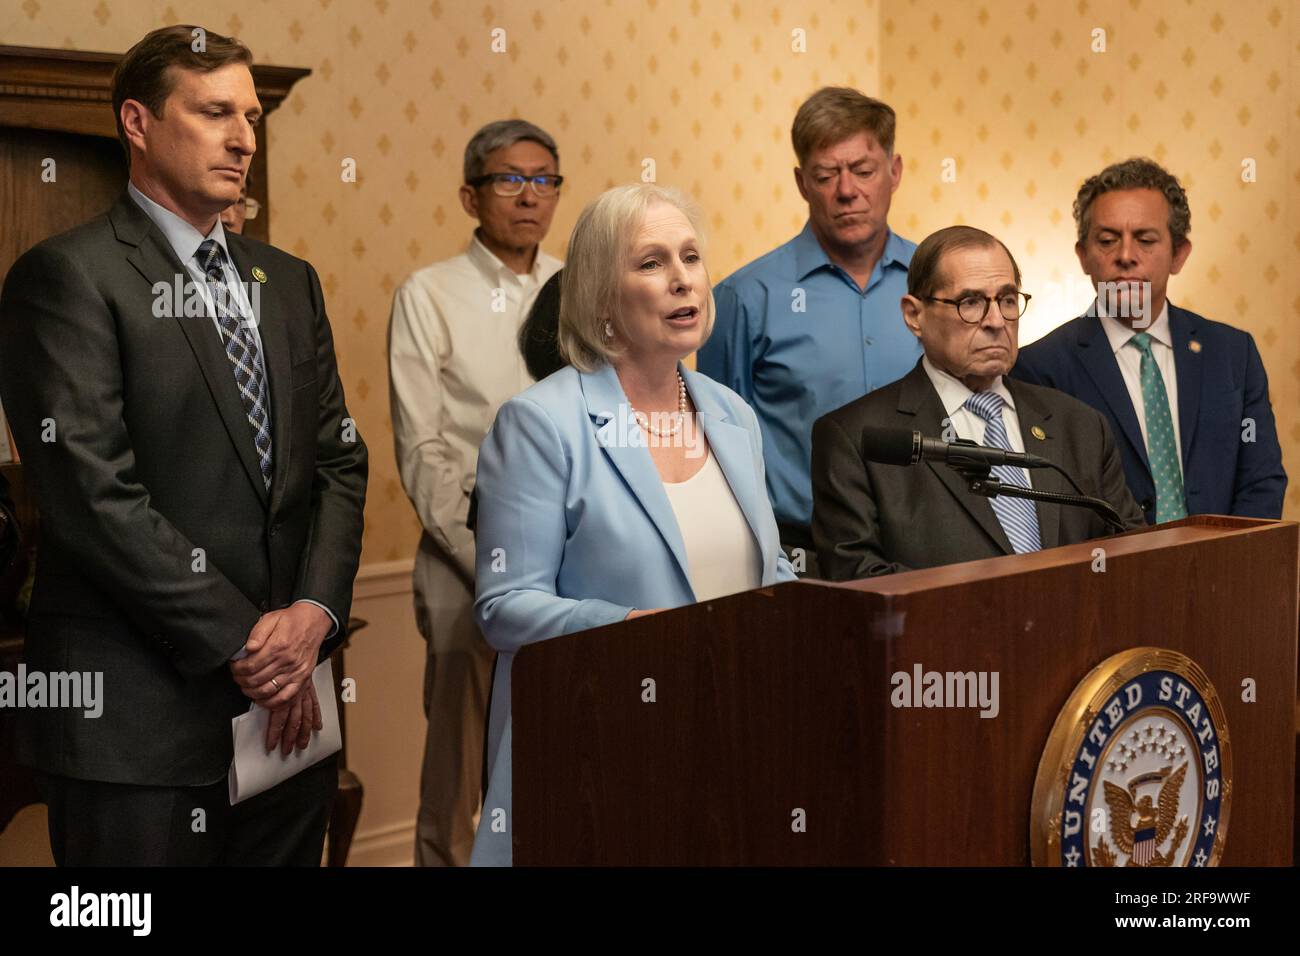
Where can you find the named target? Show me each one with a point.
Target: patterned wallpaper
(1016, 95)
(1009, 90)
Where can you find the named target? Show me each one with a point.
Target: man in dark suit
(199, 482)
(963, 303)
(1187, 397)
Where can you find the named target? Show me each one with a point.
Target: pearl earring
(609, 330)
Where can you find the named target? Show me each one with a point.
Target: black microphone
(898, 446)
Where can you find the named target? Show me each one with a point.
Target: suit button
(275, 529)
(1148, 504)
(263, 606)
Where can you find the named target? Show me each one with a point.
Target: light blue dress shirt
(575, 530)
(185, 241)
(796, 338)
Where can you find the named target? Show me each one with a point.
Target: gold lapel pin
(1194, 345)
(1037, 432)
(258, 274)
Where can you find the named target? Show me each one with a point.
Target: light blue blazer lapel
(731, 444)
(623, 441)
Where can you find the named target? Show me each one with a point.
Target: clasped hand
(282, 649)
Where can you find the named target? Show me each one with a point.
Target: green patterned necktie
(1162, 447)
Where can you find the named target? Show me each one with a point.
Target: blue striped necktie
(245, 357)
(1018, 517)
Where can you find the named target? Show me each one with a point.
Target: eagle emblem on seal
(1139, 826)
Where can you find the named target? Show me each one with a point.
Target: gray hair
(593, 267)
(499, 135)
(1136, 173)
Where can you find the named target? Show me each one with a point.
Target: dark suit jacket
(871, 519)
(10, 532)
(1221, 382)
(140, 452)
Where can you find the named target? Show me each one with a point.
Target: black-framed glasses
(971, 309)
(512, 184)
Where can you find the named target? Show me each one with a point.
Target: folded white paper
(253, 770)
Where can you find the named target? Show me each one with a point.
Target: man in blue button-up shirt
(815, 323)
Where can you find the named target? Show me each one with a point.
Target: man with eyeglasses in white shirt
(453, 361)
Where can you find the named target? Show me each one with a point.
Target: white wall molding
(383, 578)
(386, 726)
(393, 845)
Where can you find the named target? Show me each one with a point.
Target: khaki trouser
(457, 682)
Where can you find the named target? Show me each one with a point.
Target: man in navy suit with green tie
(1186, 397)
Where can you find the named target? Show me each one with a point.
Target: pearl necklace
(644, 420)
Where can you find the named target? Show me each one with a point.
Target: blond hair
(594, 266)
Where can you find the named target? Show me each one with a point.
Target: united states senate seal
(1137, 770)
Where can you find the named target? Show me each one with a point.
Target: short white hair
(594, 264)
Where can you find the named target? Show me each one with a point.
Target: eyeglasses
(972, 309)
(251, 207)
(512, 184)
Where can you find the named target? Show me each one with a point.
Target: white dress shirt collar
(496, 271)
(953, 392)
(181, 236)
(1119, 334)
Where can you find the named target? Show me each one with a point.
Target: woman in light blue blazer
(625, 483)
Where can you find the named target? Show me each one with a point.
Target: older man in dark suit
(199, 481)
(963, 304)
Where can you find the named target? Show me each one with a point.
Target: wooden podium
(777, 702)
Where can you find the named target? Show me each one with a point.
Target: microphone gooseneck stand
(979, 482)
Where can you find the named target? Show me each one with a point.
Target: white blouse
(721, 551)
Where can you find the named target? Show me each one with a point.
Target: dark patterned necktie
(241, 349)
